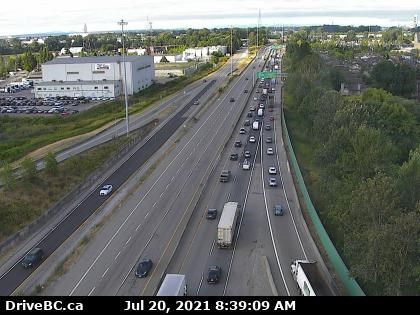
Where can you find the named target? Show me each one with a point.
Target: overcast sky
(36, 16)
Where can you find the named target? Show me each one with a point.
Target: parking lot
(23, 102)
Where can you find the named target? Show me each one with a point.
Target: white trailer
(173, 285)
(309, 278)
(227, 225)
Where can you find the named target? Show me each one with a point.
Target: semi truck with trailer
(227, 225)
(309, 278)
(173, 285)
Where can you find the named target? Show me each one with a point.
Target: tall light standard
(122, 23)
(231, 53)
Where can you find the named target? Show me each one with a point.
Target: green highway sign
(266, 75)
(276, 46)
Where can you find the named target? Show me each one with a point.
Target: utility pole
(258, 24)
(122, 23)
(231, 52)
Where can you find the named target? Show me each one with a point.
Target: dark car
(233, 156)
(247, 123)
(231, 99)
(278, 210)
(247, 154)
(238, 143)
(249, 114)
(196, 102)
(33, 257)
(267, 127)
(269, 140)
(245, 91)
(214, 274)
(211, 214)
(143, 268)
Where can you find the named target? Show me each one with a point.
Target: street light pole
(122, 23)
(231, 53)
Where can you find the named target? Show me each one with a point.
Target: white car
(261, 105)
(252, 139)
(272, 171)
(272, 182)
(105, 190)
(270, 151)
(255, 98)
(246, 165)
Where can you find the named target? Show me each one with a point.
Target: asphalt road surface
(16, 275)
(149, 222)
(281, 239)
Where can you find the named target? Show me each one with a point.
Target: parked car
(214, 274)
(105, 190)
(143, 268)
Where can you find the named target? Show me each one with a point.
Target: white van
(255, 125)
(260, 112)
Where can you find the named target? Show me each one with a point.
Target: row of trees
(366, 152)
(27, 61)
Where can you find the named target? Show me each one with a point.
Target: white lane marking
(228, 197)
(103, 275)
(173, 177)
(117, 255)
(285, 194)
(212, 246)
(150, 189)
(269, 223)
(128, 241)
(161, 195)
(138, 226)
(91, 291)
(147, 214)
(154, 204)
(199, 286)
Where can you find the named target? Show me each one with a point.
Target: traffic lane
(184, 160)
(253, 243)
(13, 278)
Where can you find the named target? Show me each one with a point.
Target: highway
(10, 280)
(280, 239)
(150, 222)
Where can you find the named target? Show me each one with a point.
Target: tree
(29, 61)
(408, 182)
(7, 176)
(29, 172)
(51, 164)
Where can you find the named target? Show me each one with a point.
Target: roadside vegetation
(361, 161)
(22, 135)
(25, 199)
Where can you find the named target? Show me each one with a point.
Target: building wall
(140, 73)
(86, 89)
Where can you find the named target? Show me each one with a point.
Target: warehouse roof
(100, 59)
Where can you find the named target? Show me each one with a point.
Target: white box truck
(227, 225)
(260, 112)
(309, 278)
(255, 125)
(173, 285)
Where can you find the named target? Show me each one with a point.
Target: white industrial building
(169, 58)
(95, 76)
(202, 53)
